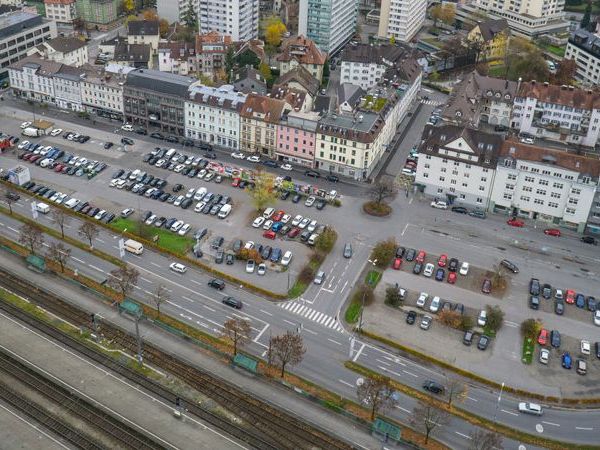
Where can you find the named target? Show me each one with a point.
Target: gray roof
(490, 28)
(133, 53)
(44, 67)
(587, 41)
(368, 53)
(17, 21)
(65, 44)
(321, 103)
(349, 93)
(143, 28)
(69, 73)
(363, 127)
(301, 76)
(157, 81)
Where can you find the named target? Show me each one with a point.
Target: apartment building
(560, 113)
(211, 50)
(102, 90)
(98, 14)
(143, 32)
(61, 11)
(584, 48)
(65, 50)
(296, 138)
(176, 57)
(329, 24)
(31, 79)
(301, 51)
(457, 164)
(175, 10)
(545, 184)
(235, 18)
(259, 119)
(401, 19)
(213, 115)
(67, 88)
(19, 32)
(493, 36)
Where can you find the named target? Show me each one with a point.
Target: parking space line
(266, 312)
(472, 399)
(403, 409)
(291, 323)
(335, 342)
(584, 428)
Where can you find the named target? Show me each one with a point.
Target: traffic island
(377, 209)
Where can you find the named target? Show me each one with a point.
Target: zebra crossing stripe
(313, 315)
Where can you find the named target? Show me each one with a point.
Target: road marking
(96, 268)
(403, 409)
(310, 331)
(344, 286)
(472, 399)
(265, 312)
(78, 260)
(154, 264)
(358, 352)
(146, 280)
(382, 362)
(188, 299)
(261, 333)
(551, 423)
(410, 373)
(463, 435)
(331, 291)
(291, 323)
(399, 375)
(584, 428)
(509, 412)
(346, 383)
(209, 308)
(197, 282)
(11, 228)
(100, 240)
(404, 230)
(511, 324)
(335, 342)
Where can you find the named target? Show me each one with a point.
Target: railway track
(123, 435)
(265, 426)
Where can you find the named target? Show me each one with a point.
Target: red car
(397, 263)
(443, 260)
(543, 337)
(486, 286)
(269, 234)
(421, 257)
(235, 182)
(515, 222)
(294, 232)
(278, 216)
(452, 277)
(58, 167)
(552, 232)
(570, 296)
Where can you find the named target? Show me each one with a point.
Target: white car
(61, 198)
(531, 408)
(178, 267)
(150, 220)
(267, 225)
(482, 318)
(55, 196)
(435, 305)
(310, 201)
(190, 193)
(439, 204)
(428, 271)
(262, 269)
(179, 168)
(23, 144)
(297, 220)
(127, 127)
(585, 347)
(56, 132)
(544, 356)
(258, 222)
(423, 296)
(287, 167)
(199, 206)
(184, 229)
(312, 226)
(100, 214)
(253, 159)
(237, 155)
(286, 218)
(286, 258)
(178, 200)
(25, 125)
(250, 265)
(121, 184)
(526, 141)
(177, 226)
(201, 174)
(249, 245)
(464, 268)
(302, 225)
(597, 317)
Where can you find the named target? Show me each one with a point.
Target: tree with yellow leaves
(274, 30)
(128, 6)
(150, 14)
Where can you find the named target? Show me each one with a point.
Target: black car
(433, 387)
(468, 337)
(555, 339)
(108, 145)
(296, 198)
(284, 195)
(178, 187)
(591, 304)
(270, 163)
(172, 139)
(400, 252)
(217, 283)
(417, 268)
(559, 307)
(187, 143)
(460, 210)
(312, 173)
(266, 253)
(332, 178)
(320, 204)
(580, 301)
(13, 196)
(229, 259)
(219, 256)
(509, 265)
(217, 242)
(234, 303)
(126, 141)
(200, 233)
(410, 254)
(237, 245)
(483, 343)
(169, 223)
(305, 235)
(164, 197)
(141, 131)
(108, 218)
(534, 286)
(589, 240)
(459, 308)
(547, 291)
(534, 302)
(210, 155)
(411, 317)
(157, 135)
(453, 265)
(187, 203)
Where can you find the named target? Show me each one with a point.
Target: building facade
(211, 50)
(296, 138)
(176, 57)
(493, 37)
(401, 19)
(143, 32)
(213, 115)
(259, 118)
(67, 88)
(329, 24)
(300, 51)
(65, 50)
(31, 79)
(235, 18)
(61, 11)
(102, 90)
(98, 13)
(584, 48)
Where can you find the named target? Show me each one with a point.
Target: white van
(312, 239)
(170, 153)
(72, 203)
(134, 246)
(224, 212)
(43, 208)
(268, 212)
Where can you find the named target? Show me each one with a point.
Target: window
(524, 198)
(529, 179)
(440, 190)
(575, 191)
(540, 192)
(482, 188)
(543, 182)
(425, 175)
(512, 176)
(538, 201)
(507, 196)
(573, 201)
(442, 179)
(553, 205)
(443, 170)
(527, 189)
(555, 194)
(570, 211)
(510, 187)
(479, 200)
(557, 185)
(483, 179)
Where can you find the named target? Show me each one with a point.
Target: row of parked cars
(172, 224)
(188, 165)
(553, 339)
(279, 223)
(410, 166)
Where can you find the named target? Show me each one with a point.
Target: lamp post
(498, 402)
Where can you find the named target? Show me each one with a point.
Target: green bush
(325, 242)
(383, 252)
(363, 291)
(392, 296)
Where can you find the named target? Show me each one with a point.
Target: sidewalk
(272, 393)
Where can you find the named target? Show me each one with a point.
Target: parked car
(426, 322)
(464, 268)
(544, 356)
(482, 318)
(514, 222)
(552, 232)
(555, 339)
(439, 204)
(566, 360)
(440, 274)
(483, 342)
(468, 337)
(433, 387)
(486, 286)
(411, 317)
(509, 265)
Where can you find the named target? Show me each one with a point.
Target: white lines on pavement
(410, 373)
(146, 280)
(346, 383)
(100, 240)
(403, 409)
(266, 312)
(209, 308)
(551, 423)
(511, 324)
(78, 260)
(197, 282)
(12, 229)
(154, 264)
(404, 230)
(261, 333)
(463, 435)
(584, 428)
(312, 314)
(291, 323)
(331, 291)
(310, 331)
(96, 268)
(362, 347)
(509, 412)
(472, 399)
(335, 342)
(385, 369)
(344, 286)
(382, 362)
(187, 298)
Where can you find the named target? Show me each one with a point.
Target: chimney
(571, 88)
(533, 82)
(563, 87)
(546, 84)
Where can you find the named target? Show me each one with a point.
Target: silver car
(319, 278)
(348, 251)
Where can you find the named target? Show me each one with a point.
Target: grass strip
(528, 348)
(352, 312)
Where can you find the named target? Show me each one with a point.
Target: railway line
(264, 425)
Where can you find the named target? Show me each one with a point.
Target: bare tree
(456, 390)
(427, 418)
(485, 440)
(59, 253)
(238, 330)
(288, 349)
(159, 296)
(10, 197)
(377, 392)
(61, 218)
(89, 231)
(382, 190)
(123, 279)
(31, 235)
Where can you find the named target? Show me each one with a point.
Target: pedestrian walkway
(312, 314)
(432, 102)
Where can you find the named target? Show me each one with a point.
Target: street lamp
(498, 402)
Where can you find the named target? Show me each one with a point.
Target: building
(211, 50)
(493, 37)
(254, 47)
(175, 10)
(479, 99)
(298, 100)
(31, 79)
(584, 48)
(138, 56)
(593, 223)
(19, 32)
(176, 57)
(213, 115)
(235, 18)
(102, 90)
(296, 138)
(249, 80)
(560, 113)
(329, 24)
(65, 50)
(259, 119)
(401, 19)
(457, 165)
(61, 11)
(98, 14)
(547, 185)
(300, 80)
(300, 51)
(154, 99)
(143, 32)
(526, 18)
(67, 88)
(349, 97)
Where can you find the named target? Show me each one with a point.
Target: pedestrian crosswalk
(311, 314)
(432, 102)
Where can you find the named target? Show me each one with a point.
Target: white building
(401, 18)
(102, 90)
(584, 48)
(329, 24)
(143, 32)
(458, 164)
(545, 184)
(235, 18)
(65, 50)
(176, 57)
(19, 32)
(174, 10)
(561, 113)
(62, 11)
(67, 88)
(31, 78)
(213, 115)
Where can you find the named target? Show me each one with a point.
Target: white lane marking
(335, 342)
(11, 228)
(187, 298)
(146, 280)
(410, 373)
(472, 399)
(404, 230)
(291, 323)
(310, 331)
(154, 264)
(403, 409)
(584, 428)
(100, 240)
(511, 324)
(382, 362)
(209, 308)
(78, 260)
(96, 268)
(551, 423)
(509, 412)
(358, 353)
(463, 435)
(197, 282)
(385, 369)
(261, 333)
(266, 312)
(346, 383)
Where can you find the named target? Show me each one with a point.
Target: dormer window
(480, 145)
(443, 138)
(489, 93)
(498, 94)
(458, 113)
(507, 97)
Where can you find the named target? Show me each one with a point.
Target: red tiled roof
(561, 95)
(302, 50)
(269, 108)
